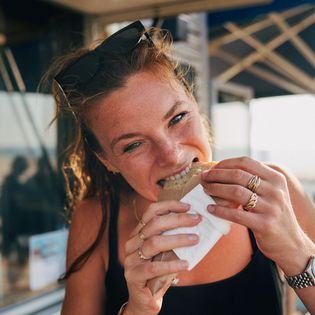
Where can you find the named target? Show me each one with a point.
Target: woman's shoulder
(87, 215)
(86, 284)
(89, 208)
(85, 226)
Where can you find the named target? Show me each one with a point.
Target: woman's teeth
(181, 174)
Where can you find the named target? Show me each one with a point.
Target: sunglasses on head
(84, 69)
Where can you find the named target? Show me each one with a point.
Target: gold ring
(175, 281)
(141, 256)
(253, 183)
(141, 223)
(141, 235)
(252, 202)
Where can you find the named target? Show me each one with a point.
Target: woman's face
(150, 129)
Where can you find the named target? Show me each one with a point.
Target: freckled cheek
(138, 178)
(136, 172)
(195, 135)
(192, 132)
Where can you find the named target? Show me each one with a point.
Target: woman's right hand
(158, 218)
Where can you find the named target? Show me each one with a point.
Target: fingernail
(183, 264)
(195, 216)
(186, 205)
(204, 175)
(193, 237)
(211, 208)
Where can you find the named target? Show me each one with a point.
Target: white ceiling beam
(116, 9)
(172, 8)
(255, 56)
(256, 27)
(300, 45)
(263, 74)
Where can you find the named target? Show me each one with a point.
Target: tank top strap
(115, 283)
(253, 241)
(113, 226)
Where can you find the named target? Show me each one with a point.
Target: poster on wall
(47, 256)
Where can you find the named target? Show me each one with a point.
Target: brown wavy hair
(85, 175)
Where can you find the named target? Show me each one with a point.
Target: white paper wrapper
(210, 229)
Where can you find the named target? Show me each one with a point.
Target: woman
(138, 124)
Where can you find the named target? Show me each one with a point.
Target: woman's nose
(168, 153)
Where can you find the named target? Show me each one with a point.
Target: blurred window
(33, 234)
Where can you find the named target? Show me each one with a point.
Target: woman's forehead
(144, 93)
(138, 107)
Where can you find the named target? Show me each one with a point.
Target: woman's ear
(110, 167)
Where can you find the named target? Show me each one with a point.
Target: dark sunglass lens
(123, 42)
(80, 72)
(85, 68)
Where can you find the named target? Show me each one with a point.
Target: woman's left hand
(272, 219)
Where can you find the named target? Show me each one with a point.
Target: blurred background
(253, 64)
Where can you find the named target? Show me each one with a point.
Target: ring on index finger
(252, 202)
(141, 222)
(175, 281)
(253, 183)
(141, 256)
(141, 235)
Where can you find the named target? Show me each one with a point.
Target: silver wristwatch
(304, 279)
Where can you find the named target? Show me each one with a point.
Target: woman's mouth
(179, 175)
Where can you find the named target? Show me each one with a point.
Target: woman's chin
(152, 195)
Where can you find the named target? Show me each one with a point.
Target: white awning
(118, 10)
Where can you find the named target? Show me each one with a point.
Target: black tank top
(254, 291)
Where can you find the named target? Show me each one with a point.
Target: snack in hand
(213, 228)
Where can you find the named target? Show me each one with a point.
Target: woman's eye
(130, 147)
(176, 119)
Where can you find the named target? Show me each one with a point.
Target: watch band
(304, 279)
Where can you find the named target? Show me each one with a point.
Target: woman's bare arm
(85, 289)
(304, 210)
